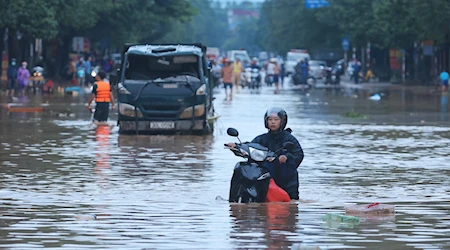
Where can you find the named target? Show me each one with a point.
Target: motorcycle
(37, 79)
(246, 77)
(269, 80)
(255, 79)
(250, 181)
(297, 79)
(327, 74)
(336, 75)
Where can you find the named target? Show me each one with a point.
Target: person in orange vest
(102, 94)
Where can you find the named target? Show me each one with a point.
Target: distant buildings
(238, 11)
(237, 15)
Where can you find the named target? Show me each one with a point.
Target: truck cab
(165, 88)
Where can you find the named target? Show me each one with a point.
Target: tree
(287, 24)
(208, 26)
(401, 22)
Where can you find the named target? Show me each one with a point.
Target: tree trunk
(62, 54)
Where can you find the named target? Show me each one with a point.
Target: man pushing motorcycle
(284, 168)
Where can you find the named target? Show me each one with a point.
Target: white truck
(241, 54)
(293, 57)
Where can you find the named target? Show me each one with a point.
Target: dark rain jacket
(285, 175)
(12, 72)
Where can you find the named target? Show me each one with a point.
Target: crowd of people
(229, 73)
(79, 69)
(17, 78)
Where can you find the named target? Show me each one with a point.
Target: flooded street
(66, 183)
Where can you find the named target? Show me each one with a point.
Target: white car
(316, 68)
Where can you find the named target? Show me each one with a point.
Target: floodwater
(58, 172)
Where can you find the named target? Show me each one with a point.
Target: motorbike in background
(269, 80)
(246, 76)
(331, 75)
(255, 79)
(37, 79)
(298, 79)
(336, 75)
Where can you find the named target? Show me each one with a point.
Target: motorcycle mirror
(232, 132)
(288, 146)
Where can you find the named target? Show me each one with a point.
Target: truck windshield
(145, 67)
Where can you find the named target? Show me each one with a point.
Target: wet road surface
(66, 183)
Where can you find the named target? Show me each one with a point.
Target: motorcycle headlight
(258, 155)
(93, 73)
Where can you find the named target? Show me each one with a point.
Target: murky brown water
(159, 192)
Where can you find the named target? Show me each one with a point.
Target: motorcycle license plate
(162, 125)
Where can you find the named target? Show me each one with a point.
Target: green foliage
(29, 16)
(287, 24)
(244, 36)
(139, 20)
(403, 21)
(208, 26)
(121, 20)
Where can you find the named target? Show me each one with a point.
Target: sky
(239, 1)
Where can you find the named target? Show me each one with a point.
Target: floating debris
(374, 209)
(375, 97)
(340, 218)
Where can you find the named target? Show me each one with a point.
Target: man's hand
(231, 145)
(113, 106)
(282, 159)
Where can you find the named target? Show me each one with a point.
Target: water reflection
(170, 157)
(444, 106)
(268, 225)
(159, 191)
(102, 134)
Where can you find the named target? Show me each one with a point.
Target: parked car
(316, 68)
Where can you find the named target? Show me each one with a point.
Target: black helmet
(280, 113)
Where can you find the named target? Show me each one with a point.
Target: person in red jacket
(102, 94)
